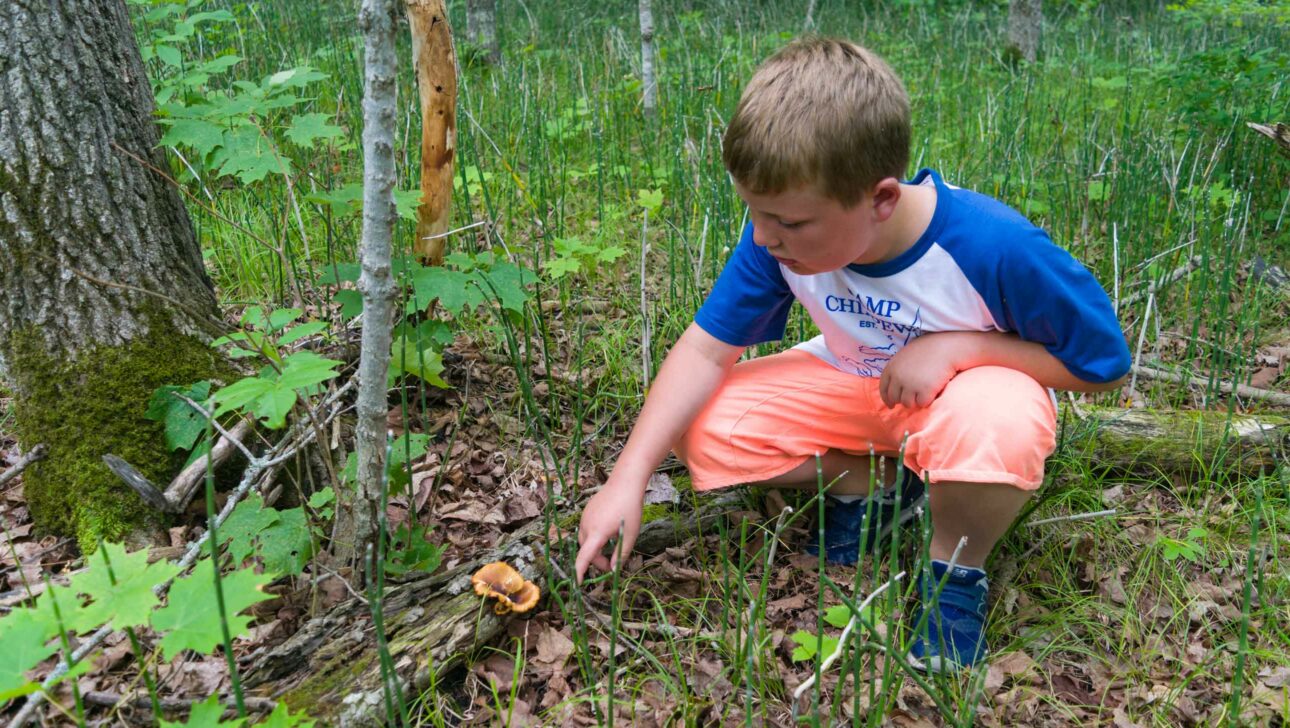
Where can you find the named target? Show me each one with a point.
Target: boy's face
(809, 233)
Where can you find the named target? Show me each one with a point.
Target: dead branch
(36, 453)
(1278, 399)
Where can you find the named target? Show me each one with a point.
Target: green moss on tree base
(91, 406)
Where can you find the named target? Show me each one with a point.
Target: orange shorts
(990, 424)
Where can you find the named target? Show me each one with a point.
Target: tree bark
(1184, 443)
(649, 82)
(436, 65)
(1025, 27)
(360, 514)
(103, 296)
(481, 28)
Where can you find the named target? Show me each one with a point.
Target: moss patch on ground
(92, 405)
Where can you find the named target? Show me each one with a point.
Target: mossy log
(1187, 443)
(331, 667)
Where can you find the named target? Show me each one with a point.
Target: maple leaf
(205, 714)
(23, 634)
(283, 718)
(128, 602)
(191, 619)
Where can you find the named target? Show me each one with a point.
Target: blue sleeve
(1048, 297)
(750, 301)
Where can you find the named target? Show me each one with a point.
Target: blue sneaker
(954, 636)
(846, 526)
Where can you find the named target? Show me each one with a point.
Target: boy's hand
(918, 372)
(612, 506)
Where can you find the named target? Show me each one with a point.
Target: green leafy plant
(124, 599)
(1191, 547)
(572, 256)
(184, 425)
(282, 539)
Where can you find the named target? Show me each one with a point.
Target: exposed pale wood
(436, 66)
(181, 489)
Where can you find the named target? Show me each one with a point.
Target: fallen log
(1150, 442)
(331, 667)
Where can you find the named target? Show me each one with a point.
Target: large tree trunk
(1025, 28)
(481, 28)
(103, 296)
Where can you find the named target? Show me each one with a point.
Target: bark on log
(330, 667)
(1151, 442)
(436, 66)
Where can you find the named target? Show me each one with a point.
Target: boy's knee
(1004, 404)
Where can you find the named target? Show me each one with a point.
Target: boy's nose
(761, 238)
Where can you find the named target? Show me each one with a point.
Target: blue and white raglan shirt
(979, 266)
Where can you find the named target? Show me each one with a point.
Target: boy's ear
(884, 196)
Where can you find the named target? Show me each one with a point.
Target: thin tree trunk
(1025, 27)
(481, 28)
(648, 80)
(436, 66)
(103, 296)
(361, 516)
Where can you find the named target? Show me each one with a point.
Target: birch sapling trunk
(375, 283)
(436, 66)
(650, 84)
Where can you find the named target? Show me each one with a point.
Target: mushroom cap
(502, 582)
(497, 578)
(526, 598)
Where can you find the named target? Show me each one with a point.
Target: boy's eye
(792, 225)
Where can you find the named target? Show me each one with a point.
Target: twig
(33, 455)
(1171, 277)
(645, 343)
(846, 633)
(1074, 517)
(1142, 338)
(1241, 390)
(475, 224)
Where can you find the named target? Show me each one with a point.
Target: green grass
(1126, 142)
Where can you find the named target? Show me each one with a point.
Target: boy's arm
(919, 371)
(692, 371)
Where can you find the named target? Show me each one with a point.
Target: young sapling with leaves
(947, 318)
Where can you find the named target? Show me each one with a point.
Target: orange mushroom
(512, 592)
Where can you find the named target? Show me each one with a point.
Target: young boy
(946, 316)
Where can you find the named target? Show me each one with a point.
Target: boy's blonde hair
(821, 112)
